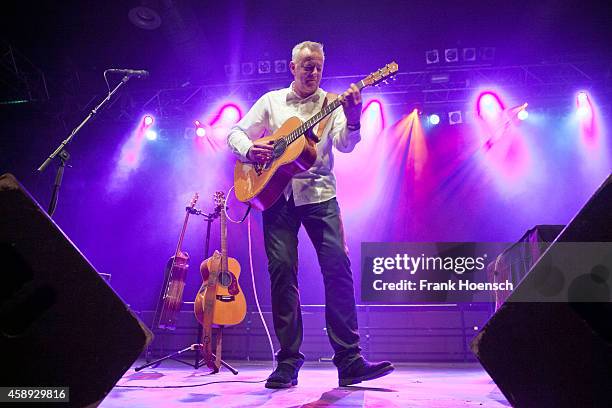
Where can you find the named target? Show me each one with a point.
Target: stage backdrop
(123, 198)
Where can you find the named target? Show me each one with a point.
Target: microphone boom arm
(64, 154)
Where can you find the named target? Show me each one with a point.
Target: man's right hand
(261, 151)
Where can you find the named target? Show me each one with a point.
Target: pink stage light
(228, 115)
(200, 131)
(148, 120)
(373, 115)
(505, 153)
(588, 124)
(131, 150)
(130, 158)
(372, 107)
(584, 109)
(582, 112)
(489, 104)
(363, 166)
(582, 98)
(212, 131)
(522, 113)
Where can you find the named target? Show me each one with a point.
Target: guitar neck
(310, 123)
(180, 241)
(191, 205)
(224, 266)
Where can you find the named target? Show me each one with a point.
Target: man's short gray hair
(310, 45)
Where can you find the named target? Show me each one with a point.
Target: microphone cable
(250, 245)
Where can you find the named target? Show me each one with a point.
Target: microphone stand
(63, 153)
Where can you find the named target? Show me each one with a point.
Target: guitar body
(172, 298)
(261, 187)
(230, 304)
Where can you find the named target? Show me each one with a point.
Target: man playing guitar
(309, 200)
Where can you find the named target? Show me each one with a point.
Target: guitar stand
(194, 347)
(198, 346)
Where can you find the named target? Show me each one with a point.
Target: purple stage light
(151, 134)
(148, 120)
(434, 119)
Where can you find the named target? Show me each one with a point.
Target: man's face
(307, 71)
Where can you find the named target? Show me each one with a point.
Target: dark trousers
(323, 224)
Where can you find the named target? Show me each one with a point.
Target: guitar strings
(300, 130)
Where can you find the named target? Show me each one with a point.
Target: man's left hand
(352, 104)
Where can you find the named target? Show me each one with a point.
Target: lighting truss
(434, 90)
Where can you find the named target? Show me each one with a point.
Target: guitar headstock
(194, 200)
(381, 75)
(219, 198)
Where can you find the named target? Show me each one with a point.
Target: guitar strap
(209, 305)
(218, 348)
(328, 98)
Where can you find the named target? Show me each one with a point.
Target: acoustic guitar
(262, 184)
(171, 296)
(220, 298)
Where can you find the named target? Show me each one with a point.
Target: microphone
(137, 73)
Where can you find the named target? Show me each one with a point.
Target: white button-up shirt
(318, 183)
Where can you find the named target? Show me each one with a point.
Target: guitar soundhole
(225, 279)
(279, 147)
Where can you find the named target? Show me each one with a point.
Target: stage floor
(434, 385)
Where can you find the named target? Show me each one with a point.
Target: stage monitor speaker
(61, 325)
(557, 354)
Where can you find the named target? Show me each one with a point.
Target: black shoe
(285, 376)
(362, 370)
